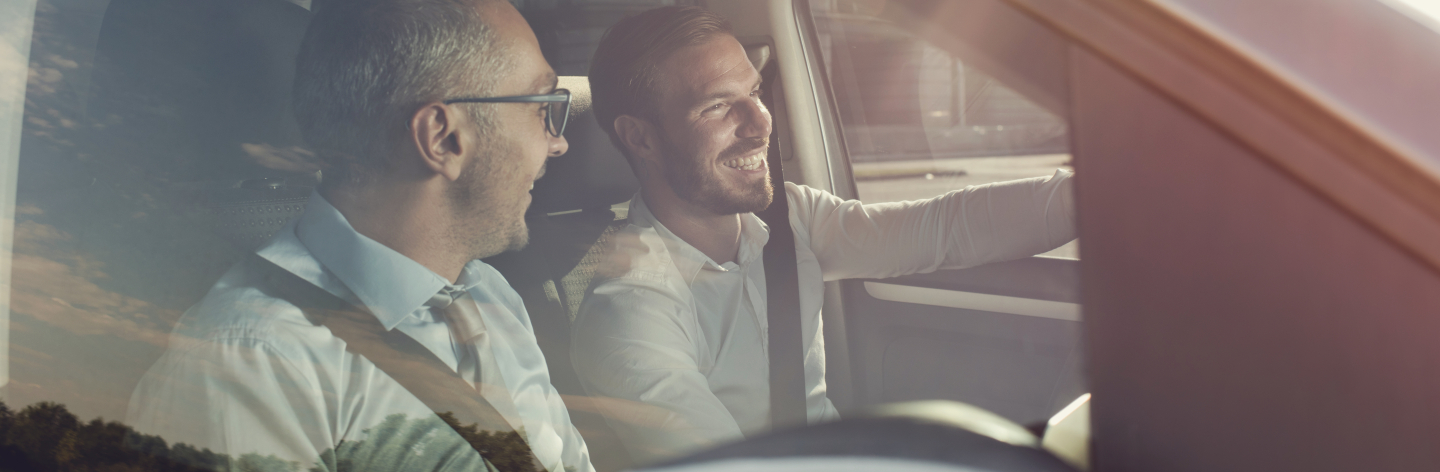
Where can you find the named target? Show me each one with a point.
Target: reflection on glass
(1424, 11)
(147, 137)
(919, 122)
(144, 143)
(154, 156)
(47, 436)
(943, 98)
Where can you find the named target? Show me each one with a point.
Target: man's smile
(752, 162)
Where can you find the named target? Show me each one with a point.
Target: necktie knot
(459, 310)
(445, 297)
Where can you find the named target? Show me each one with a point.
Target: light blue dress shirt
(248, 374)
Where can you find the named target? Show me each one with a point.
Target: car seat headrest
(592, 174)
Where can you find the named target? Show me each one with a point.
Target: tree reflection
(46, 437)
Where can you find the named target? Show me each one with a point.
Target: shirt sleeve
(632, 352)
(964, 228)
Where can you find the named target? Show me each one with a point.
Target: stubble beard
(484, 223)
(694, 181)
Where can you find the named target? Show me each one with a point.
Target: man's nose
(756, 121)
(558, 146)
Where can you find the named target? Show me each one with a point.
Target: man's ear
(435, 131)
(639, 136)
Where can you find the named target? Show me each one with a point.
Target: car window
(136, 138)
(156, 149)
(918, 121)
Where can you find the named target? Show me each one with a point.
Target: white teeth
(746, 163)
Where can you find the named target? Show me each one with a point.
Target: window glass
(157, 149)
(934, 98)
(1425, 8)
(918, 121)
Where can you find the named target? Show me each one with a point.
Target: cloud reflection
(57, 285)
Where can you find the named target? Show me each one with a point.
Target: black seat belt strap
(401, 357)
(782, 304)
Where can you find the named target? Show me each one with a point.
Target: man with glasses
(367, 333)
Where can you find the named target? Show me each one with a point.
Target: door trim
(974, 301)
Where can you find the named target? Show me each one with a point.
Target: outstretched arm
(964, 228)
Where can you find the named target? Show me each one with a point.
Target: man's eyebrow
(726, 94)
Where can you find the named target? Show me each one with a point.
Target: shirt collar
(386, 282)
(754, 233)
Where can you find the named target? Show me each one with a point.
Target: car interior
(193, 99)
(1205, 326)
(198, 96)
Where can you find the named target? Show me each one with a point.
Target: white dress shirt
(247, 373)
(671, 329)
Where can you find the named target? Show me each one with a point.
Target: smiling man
(433, 119)
(679, 321)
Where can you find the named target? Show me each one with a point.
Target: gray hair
(366, 65)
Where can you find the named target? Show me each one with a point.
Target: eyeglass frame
(559, 95)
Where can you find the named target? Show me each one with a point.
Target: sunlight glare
(1424, 11)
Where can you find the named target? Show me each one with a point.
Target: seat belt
(782, 305)
(402, 358)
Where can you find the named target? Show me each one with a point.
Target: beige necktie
(477, 361)
(463, 320)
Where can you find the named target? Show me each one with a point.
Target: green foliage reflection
(47, 437)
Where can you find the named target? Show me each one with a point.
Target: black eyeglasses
(557, 108)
